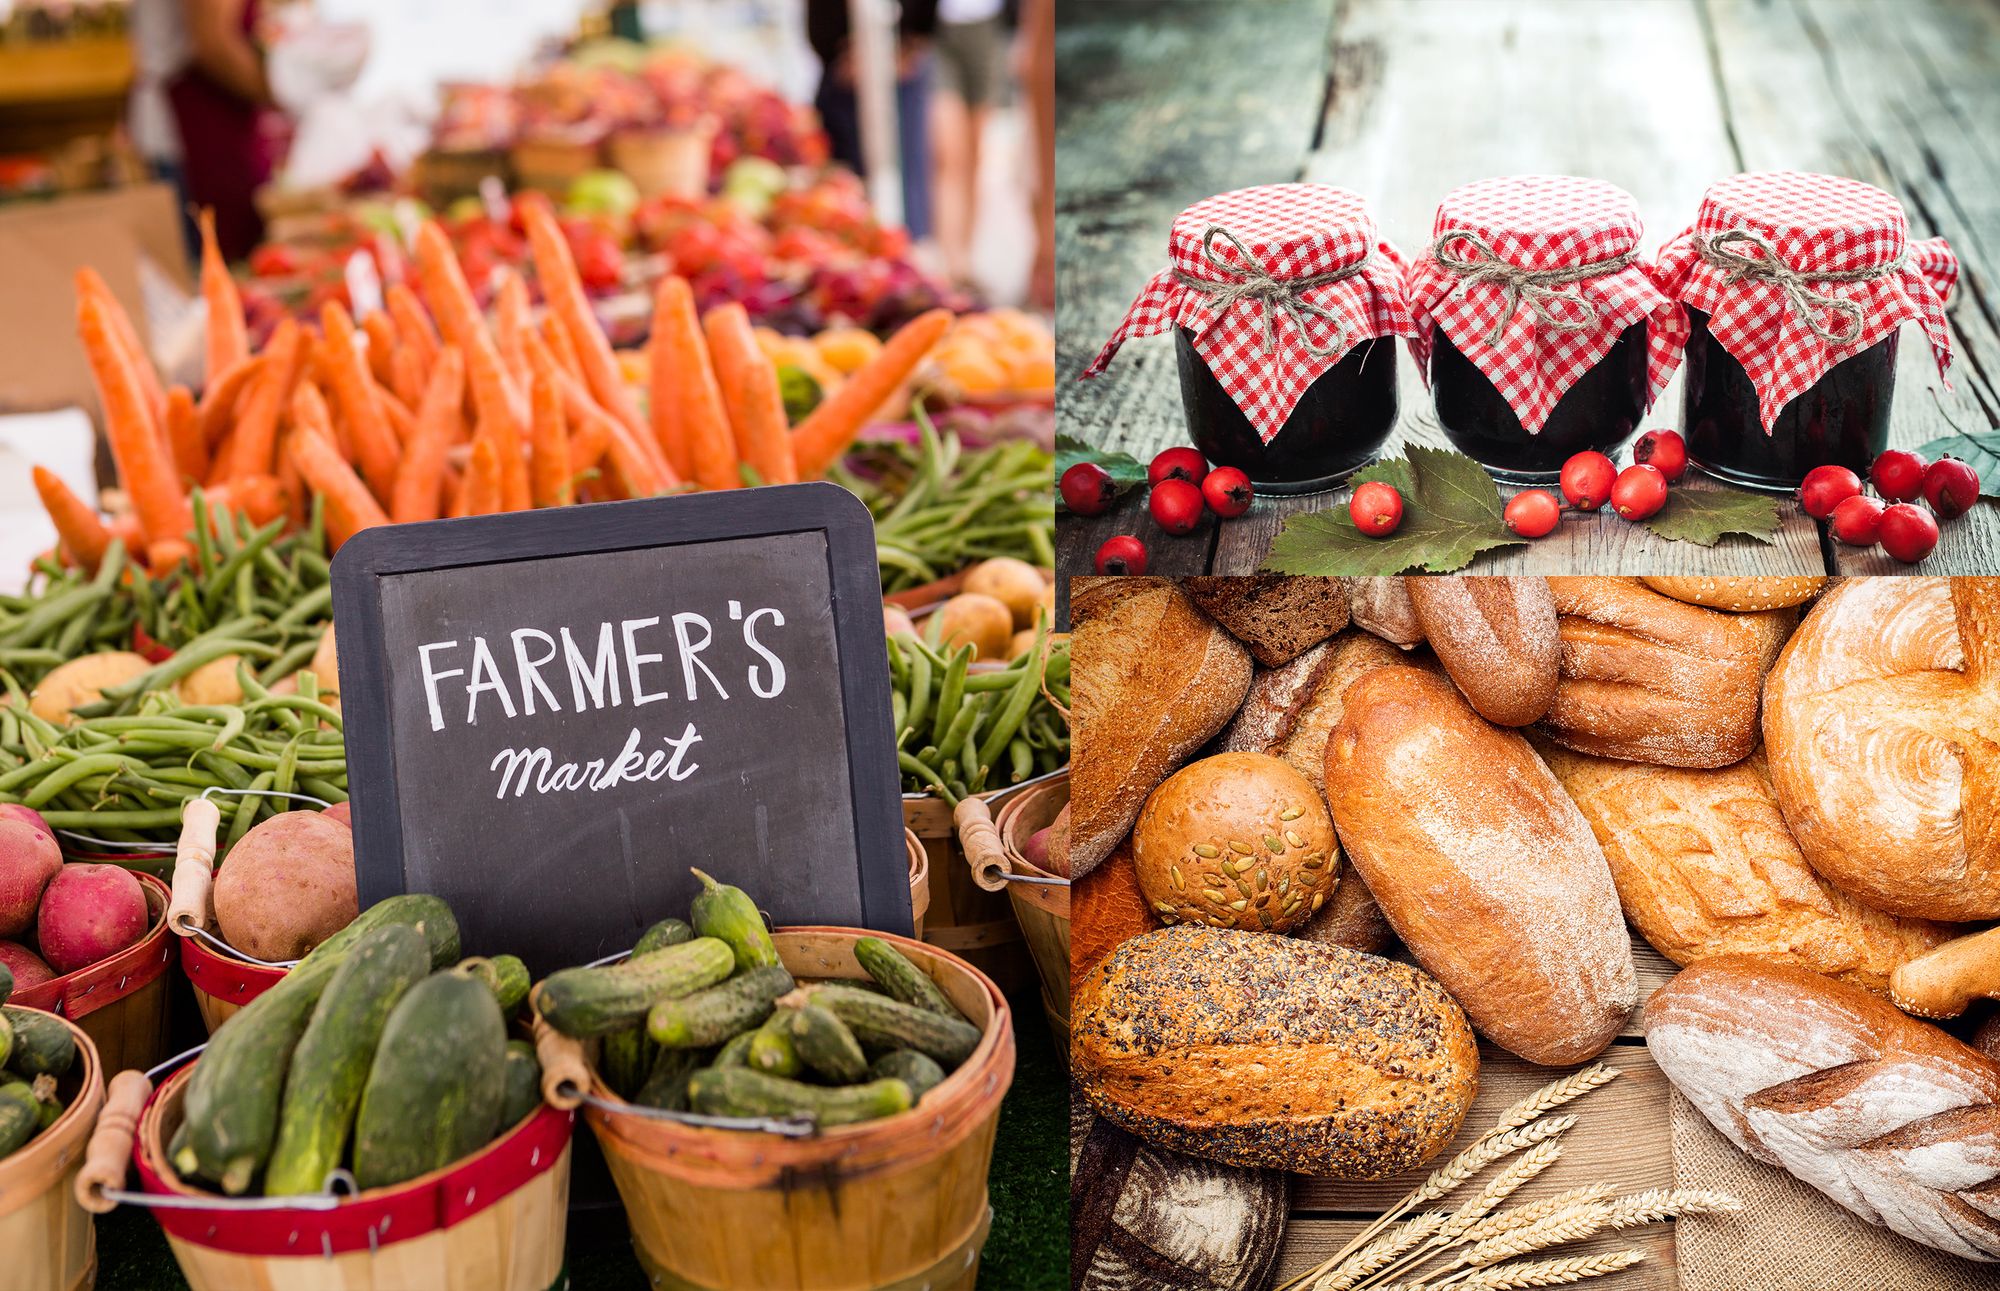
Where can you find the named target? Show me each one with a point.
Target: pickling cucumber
(771, 1049)
(912, 1068)
(505, 975)
(721, 910)
(735, 1053)
(665, 933)
(666, 1087)
(884, 1023)
(714, 1015)
(6, 1039)
(902, 979)
(521, 1083)
(426, 913)
(625, 1056)
(433, 1094)
(19, 1121)
(6, 983)
(233, 1096)
(739, 1091)
(42, 1045)
(586, 1002)
(824, 1044)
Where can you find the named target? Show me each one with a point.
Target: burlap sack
(1789, 1237)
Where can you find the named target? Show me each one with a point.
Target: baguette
(1496, 637)
(1742, 595)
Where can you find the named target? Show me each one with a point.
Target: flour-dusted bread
(1272, 1052)
(1705, 867)
(1152, 679)
(1291, 711)
(1482, 864)
(1278, 616)
(1382, 606)
(1882, 721)
(1888, 1116)
(1496, 637)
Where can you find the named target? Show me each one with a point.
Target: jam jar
(1536, 321)
(1795, 286)
(1285, 304)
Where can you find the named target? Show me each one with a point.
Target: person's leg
(954, 152)
(913, 94)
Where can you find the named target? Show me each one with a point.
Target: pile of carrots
(427, 409)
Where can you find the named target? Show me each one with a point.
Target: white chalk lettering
(777, 684)
(691, 653)
(640, 695)
(484, 667)
(600, 677)
(432, 677)
(531, 669)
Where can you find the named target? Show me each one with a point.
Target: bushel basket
(46, 1238)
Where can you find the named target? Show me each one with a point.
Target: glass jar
(1599, 412)
(1337, 427)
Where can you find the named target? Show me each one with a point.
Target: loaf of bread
(1482, 865)
(1291, 711)
(1382, 606)
(1107, 909)
(1352, 919)
(1278, 616)
(1651, 679)
(1738, 594)
(1888, 1116)
(1882, 720)
(1705, 867)
(1496, 638)
(1272, 1052)
(1152, 679)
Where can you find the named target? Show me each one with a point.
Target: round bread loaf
(1267, 1051)
(1239, 840)
(1497, 638)
(1740, 594)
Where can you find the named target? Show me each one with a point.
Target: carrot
(749, 383)
(144, 466)
(664, 385)
(218, 461)
(350, 507)
(413, 326)
(166, 553)
(704, 423)
(309, 409)
(563, 290)
(184, 439)
(261, 498)
(481, 492)
(819, 440)
(456, 312)
(292, 488)
(91, 283)
(376, 447)
(406, 375)
(552, 482)
(420, 484)
(228, 335)
(381, 335)
(561, 346)
(256, 447)
(511, 321)
(497, 418)
(219, 396)
(83, 532)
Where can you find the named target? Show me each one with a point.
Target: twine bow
(1806, 303)
(1536, 288)
(1245, 279)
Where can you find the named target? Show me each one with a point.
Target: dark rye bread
(1278, 616)
(1271, 1052)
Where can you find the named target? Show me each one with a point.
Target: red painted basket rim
(224, 977)
(94, 986)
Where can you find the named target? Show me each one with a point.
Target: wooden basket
(969, 921)
(552, 163)
(46, 1237)
(920, 880)
(995, 849)
(222, 983)
(899, 1203)
(664, 161)
(120, 1002)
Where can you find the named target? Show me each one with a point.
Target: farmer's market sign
(551, 715)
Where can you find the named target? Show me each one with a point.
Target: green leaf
(1125, 470)
(1702, 516)
(1980, 452)
(1451, 513)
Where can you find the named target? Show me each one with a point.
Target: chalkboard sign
(551, 715)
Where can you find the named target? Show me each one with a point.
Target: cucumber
(520, 1085)
(6, 1039)
(739, 1091)
(912, 1068)
(771, 1049)
(334, 1054)
(624, 1057)
(902, 979)
(666, 1087)
(712, 1016)
(824, 1043)
(428, 914)
(18, 1121)
(728, 912)
(433, 1094)
(584, 1002)
(883, 1023)
(42, 1046)
(665, 933)
(6, 983)
(735, 1053)
(233, 1096)
(505, 975)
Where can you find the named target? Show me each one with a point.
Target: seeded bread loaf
(1496, 637)
(1278, 616)
(1271, 1052)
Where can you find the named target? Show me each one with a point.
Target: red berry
(1898, 475)
(1663, 450)
(1536, 512)
(1951, 487)
(1857, 521)
(1176, 506)
(1088, 489)
(1639, 491)
(1376, 508)
(1122, 555)
(1586, 480)
(1227, 492)
(1181, 463)
(1908, 532)
(1826, 487)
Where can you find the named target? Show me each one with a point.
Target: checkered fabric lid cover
(1289, 231)
(1812, 223)
(1540, 223)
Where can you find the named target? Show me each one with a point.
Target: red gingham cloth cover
(1813, 222)
(1541, 222)
(1291, 231)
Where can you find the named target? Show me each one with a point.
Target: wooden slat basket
(920, 880)
(47, 1239)
(963, 918)
(120, 1002)
(994, 851)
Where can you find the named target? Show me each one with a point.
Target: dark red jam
(1841, 419)
(1337, 428)
(1599, 412)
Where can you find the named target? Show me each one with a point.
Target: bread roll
(1277, 698)
(1705, 867)
(1882, 720)
(1482, 865)
(1888, 1116)
(1382, 606)
(1496, 637)
(1739, 594)
(1272, 1052)
(1944, 982)
(1278, 616)
(1152, 678)
(1652, 679)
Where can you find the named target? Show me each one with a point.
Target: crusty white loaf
(1888, 1116)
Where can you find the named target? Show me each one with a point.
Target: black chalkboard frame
(848, 529)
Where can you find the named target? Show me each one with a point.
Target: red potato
(29, 859)
(27, 967)
(287, 886)
(89, 913)
(27, 815)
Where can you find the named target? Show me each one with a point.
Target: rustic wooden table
(1161, 105)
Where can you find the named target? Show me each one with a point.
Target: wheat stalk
(1559, 1229)
(1659, 1204)
(1480, 1205)
(1379, 1253)
(1555, 1094)
(1537, 1273)
(1529, 1212)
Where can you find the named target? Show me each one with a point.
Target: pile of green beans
(939, 509)
(960, 732)
(125, 778)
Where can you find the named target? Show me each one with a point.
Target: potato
(896, 621)
(82, 681)
(287, 886)
(977, 618)
(1014, 583)
(326, 665)
(212, 683)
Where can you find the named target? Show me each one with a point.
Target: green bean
(951, 695)
(307, 608)
(980, 683)
(323, 789)
(899, 713)
(1015, 708)
(42, 620)
(194, 655)
(157, 819)
(248, 806)
(920, 689)
(1021, 759)
(286, 662)
(923, 771)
